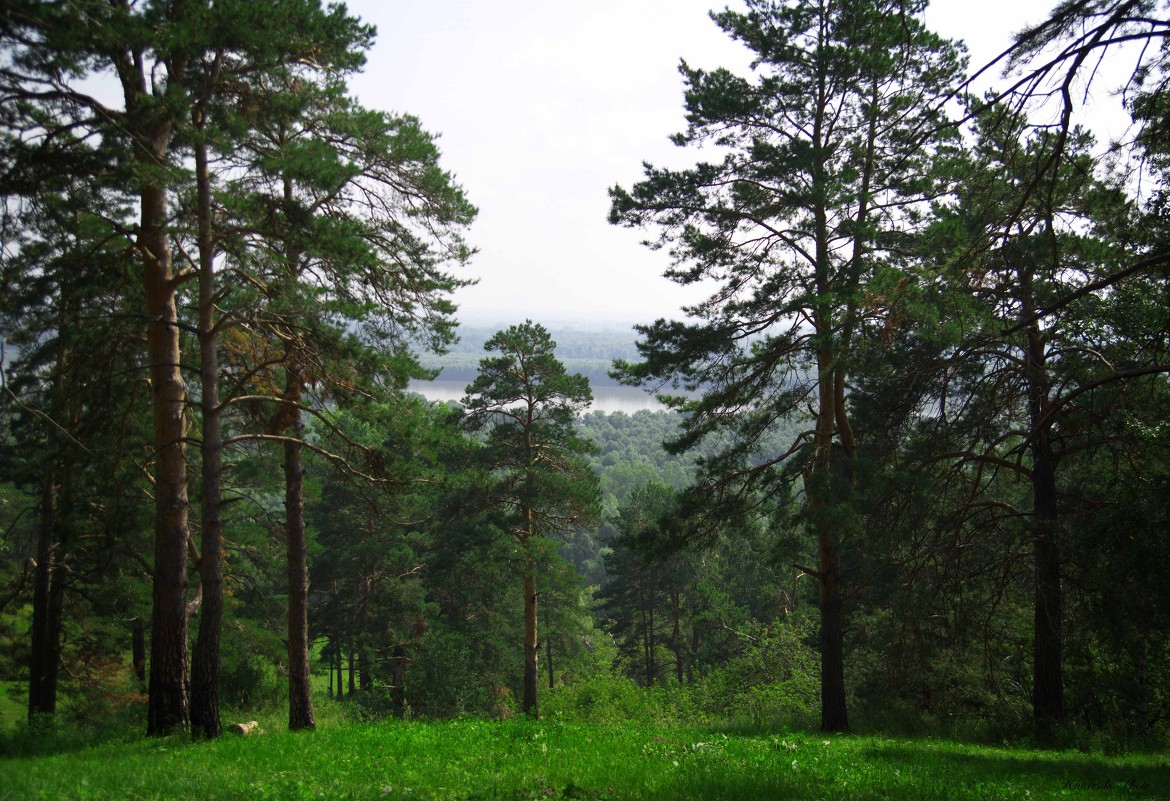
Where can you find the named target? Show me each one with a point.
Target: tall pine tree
(826, 159)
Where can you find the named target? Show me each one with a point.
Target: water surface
(605, 399)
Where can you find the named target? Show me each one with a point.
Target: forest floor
(478, 759)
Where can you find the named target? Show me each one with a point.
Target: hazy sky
(542, 106)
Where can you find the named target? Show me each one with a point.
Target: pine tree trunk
(168, 693)
(205, 666)
(300, 702)
(365, 678)
(819, 487)
(352, 670)
(531, 706)
(833, 712)
(651, 644)
(644, 611)
(48, 607)
(398, 691)
(42, 685)
(1047, 673)
(52, 666)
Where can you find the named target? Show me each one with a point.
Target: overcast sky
(542, 106)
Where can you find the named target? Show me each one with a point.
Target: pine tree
(827, 163)
(526, 405)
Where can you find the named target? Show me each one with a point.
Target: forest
(913, 479)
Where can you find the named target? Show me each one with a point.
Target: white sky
(542, 106)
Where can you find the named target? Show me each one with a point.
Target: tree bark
(365, 678)
(821, 495)
(548, 652)
(398, 690)
(300, 701)
(41, 686)
(1047, 672)
(531, 705)
(352, 670)
(205, 667)
(169, 691)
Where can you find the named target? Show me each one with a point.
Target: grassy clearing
(473, 759)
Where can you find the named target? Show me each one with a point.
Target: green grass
(468, 759)
(13, 705)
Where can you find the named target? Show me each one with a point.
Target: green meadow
(522, 759)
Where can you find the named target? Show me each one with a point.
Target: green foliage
(525, 404)
(252, 683)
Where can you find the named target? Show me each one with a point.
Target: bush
(602, 698)
(773, 685)
(252, 682)
(446, 679)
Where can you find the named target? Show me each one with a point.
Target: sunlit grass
(469, 759)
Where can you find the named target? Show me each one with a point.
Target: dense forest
(914, 476)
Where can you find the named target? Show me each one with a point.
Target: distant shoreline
(607, 399)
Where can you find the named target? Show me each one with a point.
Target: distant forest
(588, 351)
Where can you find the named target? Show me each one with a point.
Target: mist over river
(605, 398)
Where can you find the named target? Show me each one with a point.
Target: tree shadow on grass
(1065, 774)
(49, 738)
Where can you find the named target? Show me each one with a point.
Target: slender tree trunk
(644, 610)
(300, 712)
(340, 672)
(168, 693)
(352, 670)
(1047, 673)
(53, 533)
(365, 678)
(40, 699)
(300, 701)
(398, 691)
(205, 665)
(548, 652)
(694, 650)
(56, 612)
(820, 493)
(651, 644)
(1145, 725)
(677, 638)
(531, 645)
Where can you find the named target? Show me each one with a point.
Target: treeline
(462, 367)
(589, 352)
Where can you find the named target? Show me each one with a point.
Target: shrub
(250, 681)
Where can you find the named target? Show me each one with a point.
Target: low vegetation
(521, 759)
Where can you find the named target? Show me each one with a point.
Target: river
(605, 399)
